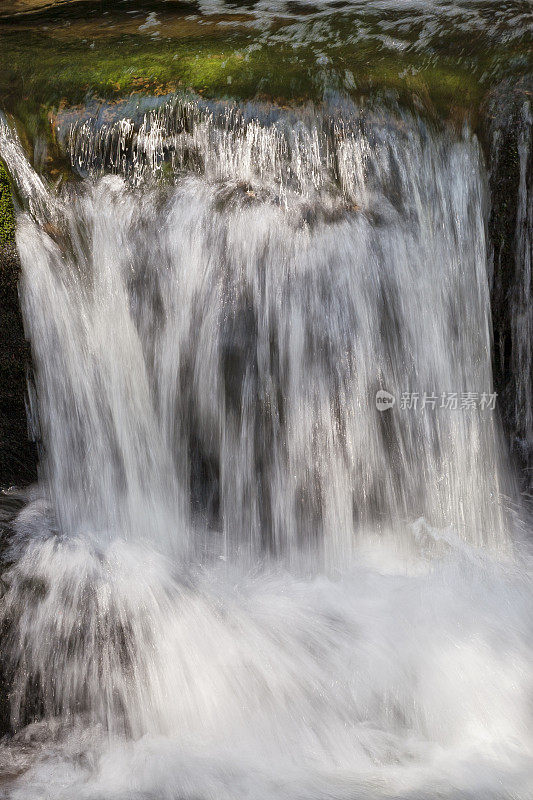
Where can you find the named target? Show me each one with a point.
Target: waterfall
(273, 522)
(216, 346)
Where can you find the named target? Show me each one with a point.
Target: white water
(239, 578)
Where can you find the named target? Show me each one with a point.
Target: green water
(445, 65)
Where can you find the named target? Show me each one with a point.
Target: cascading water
(240, 576)
(239, 326)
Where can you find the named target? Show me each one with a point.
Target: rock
(508, 136)
(18, 460)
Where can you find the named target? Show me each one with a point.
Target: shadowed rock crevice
(508, 136)
(18, 460)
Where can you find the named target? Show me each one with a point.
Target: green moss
(42, 70)
(7, 213)
(47, 67)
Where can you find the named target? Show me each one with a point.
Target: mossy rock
(7, 212)
(18, 460)
(48, 63)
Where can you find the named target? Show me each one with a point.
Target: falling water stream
(240, 576)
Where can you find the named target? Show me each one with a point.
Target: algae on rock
(17, 453)
(7, 213)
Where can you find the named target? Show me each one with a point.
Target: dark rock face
(10, 505)
(509, 140)
(18, 460)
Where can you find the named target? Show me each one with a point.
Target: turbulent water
(244, 573)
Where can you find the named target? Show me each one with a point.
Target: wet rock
(508, 138)
(17, 454)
